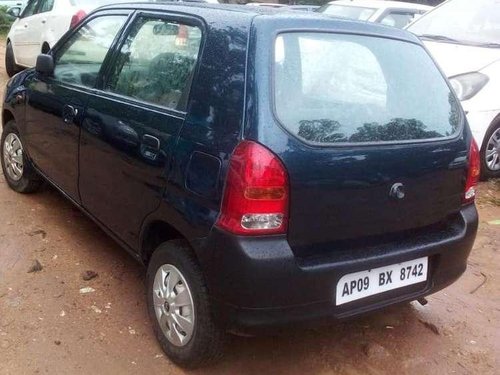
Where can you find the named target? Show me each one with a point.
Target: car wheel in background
(10, 61)
(45, 47)
(17, 169)
(179, 307)
(490, 153)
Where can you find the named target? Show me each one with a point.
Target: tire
(45, 47)
(26, 180)
(486, 172)
(205, 343)
(10, 61)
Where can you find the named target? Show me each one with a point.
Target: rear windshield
(340, 88)
(354, 12)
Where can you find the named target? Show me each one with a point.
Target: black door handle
(69, 114)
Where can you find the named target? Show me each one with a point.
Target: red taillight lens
(77, 17)
(473, 173)
(182, 36)
(256, 195)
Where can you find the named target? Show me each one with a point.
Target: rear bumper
(258, 282)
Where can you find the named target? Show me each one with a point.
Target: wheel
(179, 307)
(490, 153)
(45, 47)
(10, 61)
(17, 169)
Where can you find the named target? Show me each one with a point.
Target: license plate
(362, 284)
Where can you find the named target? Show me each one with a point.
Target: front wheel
(490, 153)
(179, 306)
(17, 169)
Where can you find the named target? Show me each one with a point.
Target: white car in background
(39, 27)
(391, 13)
(464, 38)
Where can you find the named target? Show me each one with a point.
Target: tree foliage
(397, 129)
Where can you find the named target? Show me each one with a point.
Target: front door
(131, 125)
(55, 104)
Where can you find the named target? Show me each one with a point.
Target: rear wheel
(10, 61)
(17, 169)
(490, 153)
(179, 306)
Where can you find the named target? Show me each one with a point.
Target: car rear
(353, 186)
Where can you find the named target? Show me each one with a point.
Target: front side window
(339, 88)
(156, 62)
(80, 58)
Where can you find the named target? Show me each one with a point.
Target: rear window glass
(339, 88)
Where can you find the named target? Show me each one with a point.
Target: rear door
(55, 104)
(36, 28)
(132, 123)
(23, 34)
(371, 136)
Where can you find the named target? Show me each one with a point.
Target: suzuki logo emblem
(397, 191)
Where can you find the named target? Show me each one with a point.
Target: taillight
(256, 194)
(182, 36)
(473, 173)
(77, 17)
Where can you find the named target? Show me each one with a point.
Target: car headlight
(469, 84)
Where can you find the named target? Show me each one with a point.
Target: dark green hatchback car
(268, 168)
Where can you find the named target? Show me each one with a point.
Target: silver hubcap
(493, 151)
(13, 156)
(173, 305)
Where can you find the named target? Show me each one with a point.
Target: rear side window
(340, 88)
(156, 63)
(46, 6)
(398, 19)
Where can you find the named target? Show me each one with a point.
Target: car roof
(289, 19)
(381, 4)
(177, 5)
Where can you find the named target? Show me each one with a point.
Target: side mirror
(45, 64)
(14, 11)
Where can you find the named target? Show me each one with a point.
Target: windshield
(340, 88)
(357, 13)
(474, 22)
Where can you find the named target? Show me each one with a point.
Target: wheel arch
(495, 122)
(7, 116)
(485, 172)
(153, 234)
